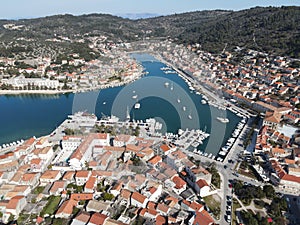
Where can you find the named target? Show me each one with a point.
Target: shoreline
(55, 92)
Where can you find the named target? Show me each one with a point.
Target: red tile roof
(203, 218)
(67, 207)
(155, 159)
(179, 183)
(201, 183)
(98, 219)
(165, 148)
(138, 197)
(14, 201)
(81, 196)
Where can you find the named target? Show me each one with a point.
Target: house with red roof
(81, 196)
(154, 160)
(49, 176)
(139, 200)
(66, 209)
(179, 184)
(97, 219)
(191, 206)
(36, 164)
(82, 176)
(201, 218)
(290, 182)
(202, 188)
(90, 185)
(16, 204)
(57, 187)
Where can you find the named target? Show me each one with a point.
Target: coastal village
(98, 178)
(104, 176)
(69, 73)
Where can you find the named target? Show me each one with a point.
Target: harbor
(42, 120)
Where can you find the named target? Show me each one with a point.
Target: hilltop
(272, 30)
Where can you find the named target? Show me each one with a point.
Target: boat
(222, 153)
(183, 108)
(190, 116)
(104, 103)
(178, 100)
(203, 102)
(166, 84)
(169, 72)
(171, 88)
(165, 68)
(137, 105)
(223, 120)
(134, 97)
(195, 144)
(127, 114)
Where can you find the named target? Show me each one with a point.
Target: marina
(41, 120)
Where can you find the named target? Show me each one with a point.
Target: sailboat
(178, 100)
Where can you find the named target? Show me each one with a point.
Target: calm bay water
(24, 116)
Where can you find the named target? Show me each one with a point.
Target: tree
(259, 193)
(108, 196)
(69, 131)
(269, 191)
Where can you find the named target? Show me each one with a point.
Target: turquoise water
(35, 115)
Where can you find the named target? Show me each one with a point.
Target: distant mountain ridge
(274, 30)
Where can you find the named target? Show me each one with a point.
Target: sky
(18, 9)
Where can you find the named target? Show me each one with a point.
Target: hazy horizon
(20, 9)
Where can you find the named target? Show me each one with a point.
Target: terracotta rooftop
(13, 202)
(155, 159)
(203, 218)
(179, 183)
(291, 178)
(138, 197)
(81, 196)
(50, 174)
(165, 148)
(125, 194)
(82, 173)
(98, 219)
(69, 175)
(67, 207)
(201, 183)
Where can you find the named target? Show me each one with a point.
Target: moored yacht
(223, 120)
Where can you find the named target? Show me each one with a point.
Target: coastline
(54, 92)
